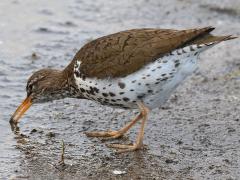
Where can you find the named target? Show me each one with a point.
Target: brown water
(197, 134)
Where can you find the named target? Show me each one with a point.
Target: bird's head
(43, 86)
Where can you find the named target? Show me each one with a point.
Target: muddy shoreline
(196, 135)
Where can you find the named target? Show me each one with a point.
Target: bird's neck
(68, 74)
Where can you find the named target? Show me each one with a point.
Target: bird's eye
(29, 89)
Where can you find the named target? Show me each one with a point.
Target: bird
(131, 69)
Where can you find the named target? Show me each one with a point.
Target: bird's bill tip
(25, 105)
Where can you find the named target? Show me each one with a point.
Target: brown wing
(125, 52)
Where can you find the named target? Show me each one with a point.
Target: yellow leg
(115, 134)
(139, 141)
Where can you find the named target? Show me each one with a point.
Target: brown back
(125, 52)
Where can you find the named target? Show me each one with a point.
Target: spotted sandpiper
(133, 69)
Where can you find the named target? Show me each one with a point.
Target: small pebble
(51, 134)
(117, 172)
(33, 131)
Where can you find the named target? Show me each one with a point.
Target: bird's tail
(211, 39)
(207, 38)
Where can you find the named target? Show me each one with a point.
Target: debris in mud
(50, 134)
(170, 161)
(42, 29)
(46, 30)
(68, 24)
(34, 56)
(61, 166)
(62, 154)
(33, 131)
(231, 130)
(118, 172)
(179, 142)
(174, 99)
(22, 141)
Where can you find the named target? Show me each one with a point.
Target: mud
(196, 135)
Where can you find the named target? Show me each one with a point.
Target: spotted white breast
(152, 84)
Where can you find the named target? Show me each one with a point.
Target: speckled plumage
(152, 84)
(144, 65)
(137, 68)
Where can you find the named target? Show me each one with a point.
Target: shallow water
(196, 135)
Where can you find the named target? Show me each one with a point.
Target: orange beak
(21, 110)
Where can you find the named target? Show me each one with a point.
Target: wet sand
(196, 135)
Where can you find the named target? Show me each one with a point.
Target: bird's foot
(121, 148)
(106, 135)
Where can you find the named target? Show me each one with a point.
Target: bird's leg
(115, 134)
(139, 142)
